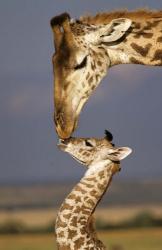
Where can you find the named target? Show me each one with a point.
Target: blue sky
(128, 102)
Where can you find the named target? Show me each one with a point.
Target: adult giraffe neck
(141, 44)
(74, 229)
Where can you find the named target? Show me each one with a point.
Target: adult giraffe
(85, 49)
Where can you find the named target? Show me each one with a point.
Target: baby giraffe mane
(106, 17)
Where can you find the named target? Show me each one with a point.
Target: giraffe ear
(119, 154)
(114, 30)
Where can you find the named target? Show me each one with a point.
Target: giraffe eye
(88, 144)
(82, 64)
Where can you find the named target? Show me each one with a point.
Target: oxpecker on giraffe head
(80, 62)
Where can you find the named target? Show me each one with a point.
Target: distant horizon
(72, 181)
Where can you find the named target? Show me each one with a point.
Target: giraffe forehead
(79, 29)
(97, 141)
(97, 151)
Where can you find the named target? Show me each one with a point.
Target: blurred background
(35, 176)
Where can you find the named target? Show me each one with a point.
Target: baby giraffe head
(91, 151)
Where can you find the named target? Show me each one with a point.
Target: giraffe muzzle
(65, 124)
(63, 143)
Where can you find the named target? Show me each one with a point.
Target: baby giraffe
(74, 223)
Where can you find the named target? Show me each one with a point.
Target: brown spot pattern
(92, 66)
(101, 174)
(143, 51)
(93, 87)
(144, 34)
(86, 153)
(156, 23)
(83, 221)
(72, 196)
(136, 25)
(91, 202)
(157, 17)
(79, 242)
(93, 193)
(100, 186)
(67, 216)
(87, 76)
(159, 40)
(135, 61)
(87, 184)
(77, 210)
(67, 247)
(97, 77)
(147, 35)
(61, 223)
(66, 207)
(80, 189)
(91, 179)
(158, 56)
(85, 212)
(151, 25)
(74, 221)
(146, 30)
(90, 80)
(100, 54)
(61, 234)
(71, 233)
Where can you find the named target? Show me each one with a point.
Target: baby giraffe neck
(73, 223)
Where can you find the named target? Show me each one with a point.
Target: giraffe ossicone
(85, 49)
(74, 223)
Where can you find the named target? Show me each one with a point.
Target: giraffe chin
(61, 146)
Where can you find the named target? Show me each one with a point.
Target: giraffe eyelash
(82, 64)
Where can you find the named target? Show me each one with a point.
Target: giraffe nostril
(64, 123)
(58, 119)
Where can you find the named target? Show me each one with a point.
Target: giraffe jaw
(63, 145)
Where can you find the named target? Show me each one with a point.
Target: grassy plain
(136, 239)
(42, 217)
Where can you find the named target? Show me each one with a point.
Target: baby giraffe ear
(119, 154)
(114, 30)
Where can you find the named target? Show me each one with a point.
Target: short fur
(106, 17)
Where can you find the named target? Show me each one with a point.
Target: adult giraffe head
(80, 62)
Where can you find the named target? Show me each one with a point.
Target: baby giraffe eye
(88, 144)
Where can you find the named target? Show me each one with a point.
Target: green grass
(27, 242)
(136, 239)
